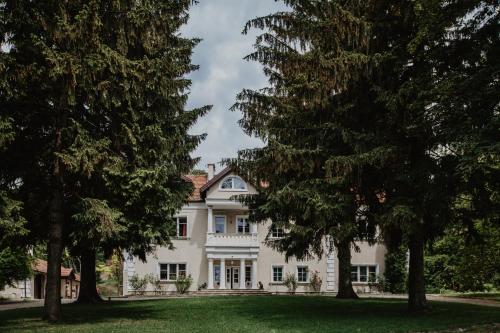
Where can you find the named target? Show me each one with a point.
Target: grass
(253, 314)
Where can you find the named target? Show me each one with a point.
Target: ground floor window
(277, 273)
(363, 273)
(248, 274)
(171, 272)
(302, 274)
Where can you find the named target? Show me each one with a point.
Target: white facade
(220, 250)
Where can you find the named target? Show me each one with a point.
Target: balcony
(232, 240)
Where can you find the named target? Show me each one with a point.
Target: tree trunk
(344, 258)
(416, 289)
(52, 305)
(88, 283)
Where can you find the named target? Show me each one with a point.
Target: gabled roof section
(40, 266)
(198, 182)
(216, 178)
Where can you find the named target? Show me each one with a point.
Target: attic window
(233, 183)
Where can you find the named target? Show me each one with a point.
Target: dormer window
(233, 183)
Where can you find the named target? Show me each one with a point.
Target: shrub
(315, 282)
(290, 282)
(395, 274)
(138, 284)
(156, 283)
(183, 283)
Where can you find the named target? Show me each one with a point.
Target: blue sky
(223, 72)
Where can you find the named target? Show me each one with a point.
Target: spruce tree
(310, 55)
(101, 132)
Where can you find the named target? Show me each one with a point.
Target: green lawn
(252, 314)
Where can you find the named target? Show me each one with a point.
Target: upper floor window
(277, 232)
(181, 231)
(220, 224)
(233, 183)
(243, 227)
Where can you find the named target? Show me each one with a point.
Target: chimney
(211, 171)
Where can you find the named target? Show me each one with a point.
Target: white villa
(221, 250)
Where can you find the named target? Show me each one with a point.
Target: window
(171, 272)
(243, 227)
(354, 273)
(277, 273)
(277, 232)
(233, 183)
(220, 224)
(364, 273)
(248, 273)
(217, 273)
(363, 276)
(302, 274)
(182, 227)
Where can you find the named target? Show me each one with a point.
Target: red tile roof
(40, 266)
(198, 182)
(216, 178)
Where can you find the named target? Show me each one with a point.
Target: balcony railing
(232, 240)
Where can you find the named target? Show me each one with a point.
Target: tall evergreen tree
(310, 54)
(102, 138)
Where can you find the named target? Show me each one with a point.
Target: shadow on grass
(252, 314)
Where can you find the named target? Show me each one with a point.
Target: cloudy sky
(223, 72)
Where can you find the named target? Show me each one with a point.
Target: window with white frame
(364, 273)
(220, 224)
(277, 232)
(277, 273)
(171, 272)
(302, 274)
(233, 183)
(181, 231)
(242, 225)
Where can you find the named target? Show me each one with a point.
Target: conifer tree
(310, 54)
(101, 131)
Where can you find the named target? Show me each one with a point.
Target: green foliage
(15, 265)
(395, 273)
(94, 125)
(290, 281)
(460, 263)
(183, 283)
(308, 53)
(139, 284)
(315, 282)
(155, 281)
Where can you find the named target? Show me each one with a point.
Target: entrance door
(232, 277)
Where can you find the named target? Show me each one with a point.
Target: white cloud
(223, 72)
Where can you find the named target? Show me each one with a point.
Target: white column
(210, 274)
(254, 273)
(210, 226)
(222, 284)
(253, 227)
(242, 274)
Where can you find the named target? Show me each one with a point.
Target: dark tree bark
(344, 258)
(416, 280)
(52, 305)
(88, 283)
